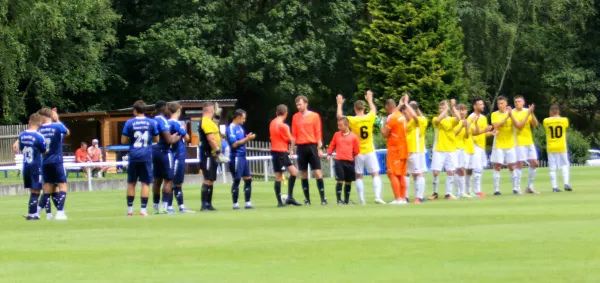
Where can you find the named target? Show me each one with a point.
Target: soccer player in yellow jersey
(556, 146)
(444, 147)
(462, 135)
(523, 120)
(415, 140)
(503, 150)
(479, 131)
(362, 126)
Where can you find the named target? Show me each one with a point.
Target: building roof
(185, 104)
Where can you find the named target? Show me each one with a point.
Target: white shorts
(444, 160)
(504, 156)
(416, 163)
(527, 152)
(558, 160)
(478, 160)
(366, 161)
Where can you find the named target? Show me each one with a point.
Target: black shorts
(344, 171)
(281, 160)
(208, 165)
(308, 154)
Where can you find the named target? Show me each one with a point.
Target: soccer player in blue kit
(178, 150)
(139, 133)
(53, 171)
(238, 165)
(31, 143)
(162, 159)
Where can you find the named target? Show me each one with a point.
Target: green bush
(577, 145)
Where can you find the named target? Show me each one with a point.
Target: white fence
(8, 135)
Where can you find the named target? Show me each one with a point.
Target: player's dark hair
(390, 102)
(35, 119)
(403, 107)
(173, 107)
(301, 97)
(281, 109)
(46, 112)
(519, 97)
(238, 113)
(83, 143)
(414, 107)
(475, 100)
(501, 98)
(461, 107)
(554, 109)
(139, 107)
(345, 119)
(359, 105)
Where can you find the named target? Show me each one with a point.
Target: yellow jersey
(469, 143)
(362, 127)
(445, 139)
(482, 124)
(460, 137)
(206, 128)
(415, 134)
(506, 134)
(556, 134)
(524, 135)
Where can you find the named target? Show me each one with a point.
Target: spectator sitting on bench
(95, 155)
(81, 156)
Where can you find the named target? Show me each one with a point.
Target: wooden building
(107, 126)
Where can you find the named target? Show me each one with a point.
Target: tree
(413, 46)
(52, 52)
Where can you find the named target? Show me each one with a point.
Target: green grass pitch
(552, 237)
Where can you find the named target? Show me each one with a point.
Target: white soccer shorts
(461, 158)
(416, 163)
(368, 161)
(444, 160)
(527, 152)
(504, 156)
(558, 160)
(478, 160)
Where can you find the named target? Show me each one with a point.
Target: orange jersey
(280, 135)
(346, 146)
(396, 141)
(306, 129)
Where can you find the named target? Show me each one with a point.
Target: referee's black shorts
(308, 154)
(344, 171)
(208, 165)
(281, 160)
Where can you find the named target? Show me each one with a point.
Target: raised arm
(411, 112)
(454, 111)
(339, 99)
(369, 99)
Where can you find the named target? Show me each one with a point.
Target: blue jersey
(53, 137)
(162, 125)
(140, 131)
(178, 148)
(234, 134)
(31, 143)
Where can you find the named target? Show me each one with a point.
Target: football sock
(407, 182)
(278, 191)
(130, 200)
(461, 185)
(55, 199)
(515, 180)
(402, 186)
(421, 186)
(178, 192)
(468, 184)
(553, 178)
(449, 184)
(305, 189)
(45, 203)
(247, 190)
(321, 187)
(156, 199)
(291, 182)
(531, 177)
(62, 198)
(360, 189)
(565, 175)
(395, 182)
(347, 189)
(204, 195)
(436, 182)
(338, 191)
(235, 190)
(496, 178)
(33, 203)
(477, 180)
(519, 176)
(210, 194)
(376, 188)
(144, 203)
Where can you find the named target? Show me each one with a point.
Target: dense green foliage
(105, 54)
